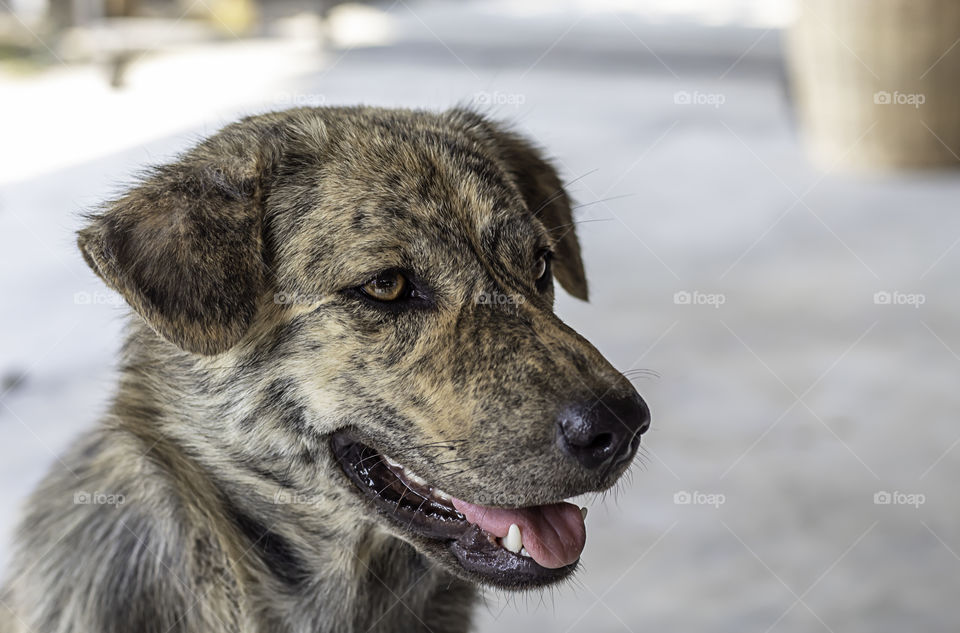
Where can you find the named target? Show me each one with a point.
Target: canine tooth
(442, 495)
(583, 513)
(513, 541)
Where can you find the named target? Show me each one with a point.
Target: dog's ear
(184, 247)
(544, 194)
(546, 198)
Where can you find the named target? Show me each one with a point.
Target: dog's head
(382, 283)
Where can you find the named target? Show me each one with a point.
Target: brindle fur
(228, 390)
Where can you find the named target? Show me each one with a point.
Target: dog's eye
(387, 286)
(541, 269)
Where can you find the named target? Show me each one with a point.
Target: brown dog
(345, 400)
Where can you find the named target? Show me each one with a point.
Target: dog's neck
(306, 554)
(324, 567)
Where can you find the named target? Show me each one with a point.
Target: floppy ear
(544, 194)
(184, 247)
(546, 198)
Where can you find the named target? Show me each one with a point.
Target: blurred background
(768, 199)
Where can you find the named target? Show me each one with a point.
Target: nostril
(601, 442)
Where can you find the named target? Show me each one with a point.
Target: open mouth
(507, 547)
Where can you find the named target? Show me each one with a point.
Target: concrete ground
(800, 474)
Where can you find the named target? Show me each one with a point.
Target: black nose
(605, 432)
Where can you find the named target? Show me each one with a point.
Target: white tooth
(513, 541)
(442, 495)
(392, 463)
(524, 552)
(413, 477)
(583, 513)
(416, 479)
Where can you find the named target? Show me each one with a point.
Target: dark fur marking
(129, 604)
(274, 551)
(281, 480)
(285, 406)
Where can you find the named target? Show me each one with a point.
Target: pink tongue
(553, 535)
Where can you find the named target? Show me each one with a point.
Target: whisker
(441, 442)
(546, 202)
(410, 524)
(561, 192)
(466, 470)
(374, 456)
(400, 500)
(587, 204)
(636, 375)
(451, 461)
(410, 449)
(640, 371)
(563, 226)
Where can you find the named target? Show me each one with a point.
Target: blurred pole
(64, 14)
(121, 8)
(237, 17)
(61, 14)
(877, 82)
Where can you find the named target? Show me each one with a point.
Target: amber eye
(387, 286)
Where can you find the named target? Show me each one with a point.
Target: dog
(345, 402)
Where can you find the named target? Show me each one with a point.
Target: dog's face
(391, 276)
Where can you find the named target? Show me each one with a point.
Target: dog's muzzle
(504, 546)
